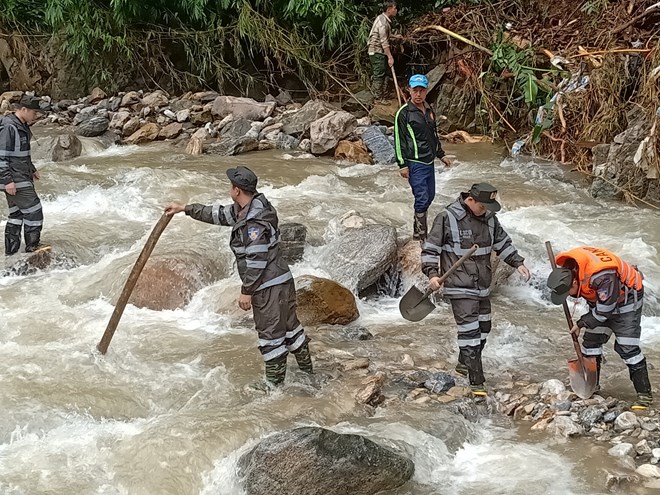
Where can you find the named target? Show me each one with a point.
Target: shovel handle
(453, 268)
(567, 313)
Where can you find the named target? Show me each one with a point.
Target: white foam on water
(114, 150)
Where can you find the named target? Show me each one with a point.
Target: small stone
(440, 382)
(605, 437)
(649, 426)
(355, 364)
(519, 413)
(510, 409)
(563, 405)
(564, 427)
(621, 450)
(458, 392)
(356, 333)
(541, 425)
(611, 402)
(371, 393)
(444, 399)
(552, 387)
(183, 115)
(596, 431)
(610, 416)
(590, 416)
(529, 408)
(422, 400)
(169, 114)
(625, 421)
(531, 389)
(655, 453)
(648, 471)
(642, 448)
(643, 434)
(567, 395)
(615, 482)
(407, 361)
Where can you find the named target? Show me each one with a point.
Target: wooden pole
(396, 86)
(130, 283)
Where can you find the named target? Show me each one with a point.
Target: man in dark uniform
(417, 146)
(268, 286)
(17, 176)
(469, 220)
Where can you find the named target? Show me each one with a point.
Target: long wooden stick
(457, 36)
(396, 86)
(130, 283)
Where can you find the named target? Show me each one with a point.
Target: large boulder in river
(297, 123)
(144, 134)
(232, 146)
(359, 257)
(317, 461)
(94, 126)
(353, 151)
(327, 131)
(65, 147)
(241, 108)
(321, 300)
(168, 282)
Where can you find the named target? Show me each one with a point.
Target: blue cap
(418, 80)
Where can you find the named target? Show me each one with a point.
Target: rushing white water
(165, 411)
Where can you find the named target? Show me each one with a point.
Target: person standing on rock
(268, 287)
(379, 50)
(470, 220)
(417, 146)
(17, 176)
(614, 291)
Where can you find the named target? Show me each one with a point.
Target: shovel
(415, 305)
(583, 371)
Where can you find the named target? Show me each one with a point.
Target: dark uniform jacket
(15, 162)
(454, 232)
(254, 240)
(416, 135)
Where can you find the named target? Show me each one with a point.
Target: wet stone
(610, 416)
(563, 405)
(649, 426)
(552, 387)
(439, 382)
(356, 333)
(626, 421)
(642, 448)
(648, 471)
(590, 416)
(621, 450)
(656, 453)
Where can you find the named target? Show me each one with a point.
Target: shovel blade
(584, 381)
(415, 305)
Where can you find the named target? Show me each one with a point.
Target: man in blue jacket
(417, 147)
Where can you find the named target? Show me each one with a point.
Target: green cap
(485, 194)
(560, 281)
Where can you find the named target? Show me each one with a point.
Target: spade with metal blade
(583, 371)
(415, 305)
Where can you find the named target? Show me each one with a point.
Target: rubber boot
(304, 359)
(471, 357)
(420, 228)
(276, 370)
(640, 377)
(377, 90)
(12, 239)
(32, 242)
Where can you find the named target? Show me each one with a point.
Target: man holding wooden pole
(379, 50)
(268, 288)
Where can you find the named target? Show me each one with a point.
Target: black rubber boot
(12, 239)
(640, 377)
(32, 241)
(471, 357)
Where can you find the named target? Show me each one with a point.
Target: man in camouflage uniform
(268, 286)
(378, 47)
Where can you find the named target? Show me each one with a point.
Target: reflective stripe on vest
(456, 238)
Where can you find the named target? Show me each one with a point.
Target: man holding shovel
(268, 288)
(469, 220)
(614, 292)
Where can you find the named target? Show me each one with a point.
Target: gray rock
(180, 105)
(66, 147)
(93, 127)
(232, 146)
(564, 405)
(169, 114)
(201, 118)
(316, 461)
(643, 448)
(327, 131)
(241, 108)
(626, 421)
(621, 450)
(292, 241)
(119, 119)
(648, 426)
(563, 426)
(591, 415)
(656, 453)
(131, 126)
(359, 257)
(617, 482)
(236, 128)
(156, 99)
(379, 145)
(63, 105)
(648, 471)
(298, 123)
(283, 98)
(286, 143)
(356, 333)
(610, 416)
(114, 103)
(552, 387)
(359, 101)
(130, 98)
(439, 382)
(85, 113)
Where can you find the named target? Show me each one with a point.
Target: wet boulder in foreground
(316, 461)
(359, 257)
(324, 301)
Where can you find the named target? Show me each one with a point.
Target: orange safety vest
(593, 260)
